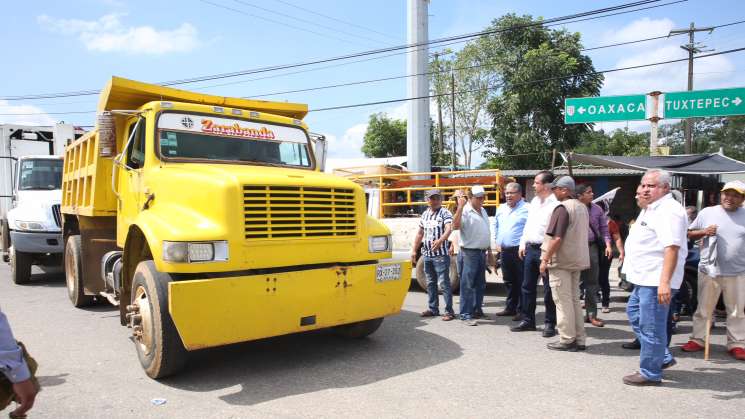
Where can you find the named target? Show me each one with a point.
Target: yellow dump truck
(207, 221)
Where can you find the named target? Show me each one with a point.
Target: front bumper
(41, 242)
(214, 312)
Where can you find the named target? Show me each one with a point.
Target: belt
(473, 250)
(534, 244)
(510, 248)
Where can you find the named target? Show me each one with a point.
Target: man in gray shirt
(722, 268)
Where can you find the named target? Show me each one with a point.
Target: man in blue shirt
(507, 230)
(14, 367)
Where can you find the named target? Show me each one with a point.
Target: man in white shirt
(475, 243)
(721, 269)
(541, 207)
(656, 250)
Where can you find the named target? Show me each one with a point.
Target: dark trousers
(531, 274)
(512, 274)
(604, 279)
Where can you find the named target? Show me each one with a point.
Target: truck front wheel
(73, 273)
(157, 341)
(359, 330)
(20, 266)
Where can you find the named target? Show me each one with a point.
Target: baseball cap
(563, 182)
(735, 185)
(432, 192)
(477, 190)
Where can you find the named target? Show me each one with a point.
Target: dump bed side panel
(86, 179)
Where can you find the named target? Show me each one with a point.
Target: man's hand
(451, 249)
(544, 266)
(461, 198)
(25, 392)
(609, 252)
(413, 258)
(491, 260)
(621, 257)
(521, 252)
(664, 294)
(436, 244)
(711, 230)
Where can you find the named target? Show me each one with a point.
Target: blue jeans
(648, 319)
(437, 269)
(512, 274)
(473, 273)
(531, 265)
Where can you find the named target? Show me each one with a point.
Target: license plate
(391, 272)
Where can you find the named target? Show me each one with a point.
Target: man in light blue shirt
(14, 367)
(507, 229)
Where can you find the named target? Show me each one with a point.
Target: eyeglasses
(512, 193)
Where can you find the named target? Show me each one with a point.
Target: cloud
(349, 144)
(710, 72)
(109, 34)
(18, 115)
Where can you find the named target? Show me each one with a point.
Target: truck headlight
(190, 252)
(379, 244)
(29, 225)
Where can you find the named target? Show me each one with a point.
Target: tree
(620, 142)
(386, 137)
(539, 68)
(709, 135)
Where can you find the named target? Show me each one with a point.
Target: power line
(359, 54)
(335, 19)
(527, 82)
(613, 70)
(315, 24)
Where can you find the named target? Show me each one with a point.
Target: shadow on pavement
(52, 279)
(297, 364)
(52, 380)
(727, 381)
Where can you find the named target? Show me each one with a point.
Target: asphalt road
(409, 368)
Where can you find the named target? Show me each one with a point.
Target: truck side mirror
(320, 146)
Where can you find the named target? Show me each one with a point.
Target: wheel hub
(142, 322)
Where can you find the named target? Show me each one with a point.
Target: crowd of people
(564, 240)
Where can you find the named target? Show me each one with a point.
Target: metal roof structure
(692, 164)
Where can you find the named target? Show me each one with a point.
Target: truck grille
(57, 215)
(297, 211)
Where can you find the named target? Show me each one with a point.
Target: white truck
(30, 193)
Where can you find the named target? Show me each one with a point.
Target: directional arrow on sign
(737, 101)
(581, 110)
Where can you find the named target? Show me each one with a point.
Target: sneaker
(605, 309)
(470, 322)
(738, 353)
(692, 346)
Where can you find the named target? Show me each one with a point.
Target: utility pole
(692, 48)
(452, 114)
(418, 150)
(441, 129)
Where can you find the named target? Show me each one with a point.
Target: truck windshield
(40, 174)
(226, 139)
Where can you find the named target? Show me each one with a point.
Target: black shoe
(505, 313)
(549, 331)
(523, 327)
(517, 317)
(632, 345)
(669, 364)
(558, 346)
(581, 347)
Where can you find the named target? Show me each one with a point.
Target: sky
(52, 46)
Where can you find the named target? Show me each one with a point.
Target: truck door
(130, 188)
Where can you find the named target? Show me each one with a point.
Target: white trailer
(30, 194)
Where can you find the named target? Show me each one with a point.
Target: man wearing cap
(541, 207)
(565, 253)
(475, 244)
(434, 230)
(655, 254)
(509, 222)
(722, 268)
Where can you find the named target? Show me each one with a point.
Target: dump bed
(86, 182)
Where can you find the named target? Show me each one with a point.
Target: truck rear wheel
(359, 330)
(20, 266)
(73, 273)
(421, 276)
(157, 341)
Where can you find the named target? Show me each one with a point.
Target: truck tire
(73, 273)
(421, 277)
(359, 330)
(20, 266)
(157, 341)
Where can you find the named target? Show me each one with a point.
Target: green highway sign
(605, 108)
(703, 103)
